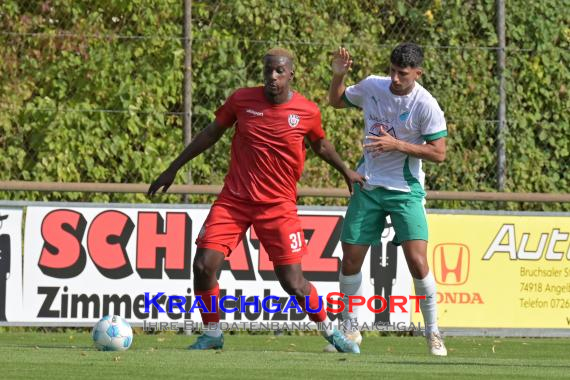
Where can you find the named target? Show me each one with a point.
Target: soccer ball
(112, 333)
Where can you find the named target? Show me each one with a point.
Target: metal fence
(35, 32)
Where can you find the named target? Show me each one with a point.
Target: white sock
(426, 287)
(350, 285)
(213, 330)
(327, 327)
(350, 325)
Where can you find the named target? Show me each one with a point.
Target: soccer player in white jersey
(403, 125)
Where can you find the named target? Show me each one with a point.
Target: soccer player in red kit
(260, 189)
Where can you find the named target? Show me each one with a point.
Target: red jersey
(268, 150)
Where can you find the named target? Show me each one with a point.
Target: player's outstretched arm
(341, 64)
(325, 150)
(205, 139)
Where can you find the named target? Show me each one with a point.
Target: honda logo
(451, 263)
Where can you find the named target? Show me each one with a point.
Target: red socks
(319, 316)
(213, 317)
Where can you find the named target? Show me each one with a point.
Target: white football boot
(435, 344)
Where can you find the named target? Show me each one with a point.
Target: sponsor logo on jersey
(253, 112)
(377, 127)
(374, 100)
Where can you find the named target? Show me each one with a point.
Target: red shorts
(277, 226)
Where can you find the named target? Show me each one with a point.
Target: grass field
(70, 355)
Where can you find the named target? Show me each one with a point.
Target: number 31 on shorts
(296, 241)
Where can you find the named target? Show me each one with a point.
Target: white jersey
(414, 118)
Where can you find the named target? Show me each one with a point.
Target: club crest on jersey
(294, 120)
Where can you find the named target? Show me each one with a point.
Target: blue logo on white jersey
(404, 116)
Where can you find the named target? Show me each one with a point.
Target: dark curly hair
(407, 54)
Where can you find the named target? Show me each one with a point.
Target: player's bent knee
(418, 267)
(353, 258)
(294, 288)
(350, 265)
(202, 268)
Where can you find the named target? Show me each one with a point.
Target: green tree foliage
(92, 90)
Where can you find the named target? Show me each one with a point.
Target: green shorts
(367, 211)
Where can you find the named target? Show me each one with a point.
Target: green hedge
(121, 55)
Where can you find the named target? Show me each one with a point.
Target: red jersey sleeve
(226, 115)
(316, 131)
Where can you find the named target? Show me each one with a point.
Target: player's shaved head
(281, 52)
